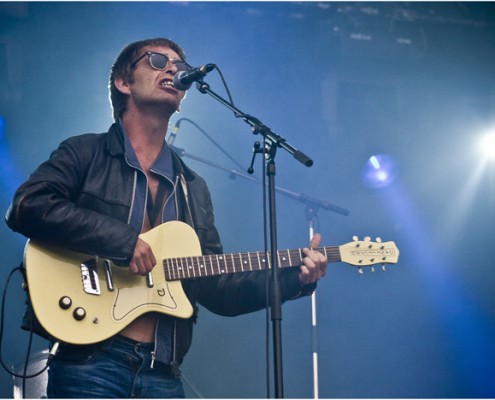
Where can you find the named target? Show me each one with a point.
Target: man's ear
(121, 85)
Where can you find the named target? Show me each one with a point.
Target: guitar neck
(220, 264)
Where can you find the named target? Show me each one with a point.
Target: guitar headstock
(365, 253)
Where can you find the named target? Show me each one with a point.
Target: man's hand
(143, 259)
(314, 265)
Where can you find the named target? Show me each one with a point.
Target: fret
(187, 267)
(211, 265)
(220, 270)
(285, 260)
(225, 261)
(226, 266)
(217, 265)
(250, 262)
(175, 264)
(325, 251)
(259, 261)
(199, 265)
(167, 269)
(183, 262)
(184, 271)
(234, 269)
(190, 266)
(241, 262)
(174, 269)
(292, 261)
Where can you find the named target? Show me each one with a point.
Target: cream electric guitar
(80, 299)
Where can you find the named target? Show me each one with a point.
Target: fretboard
(220, 264)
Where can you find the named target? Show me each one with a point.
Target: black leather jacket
(82, 197)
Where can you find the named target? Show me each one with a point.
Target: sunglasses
(160, 61)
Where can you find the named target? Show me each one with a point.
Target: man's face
(150, 87)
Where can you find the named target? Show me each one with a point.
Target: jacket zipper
(134, 187)
(153, 352)
(174, 366)
(186, 196)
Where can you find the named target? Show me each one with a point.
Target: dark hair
(121, 68)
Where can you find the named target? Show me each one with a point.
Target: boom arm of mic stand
(233, 172)
(258, 126)
(311, 202)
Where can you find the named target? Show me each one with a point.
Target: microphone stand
(312, 205)
(273, 142)
(311, 216)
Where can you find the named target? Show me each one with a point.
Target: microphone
(173, 133)
(183, 80)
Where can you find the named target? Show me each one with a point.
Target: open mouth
(167, 83)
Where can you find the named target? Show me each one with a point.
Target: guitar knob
(79, 314)
(65, 302)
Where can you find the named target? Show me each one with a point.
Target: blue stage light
(379, 171)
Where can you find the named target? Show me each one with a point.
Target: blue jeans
(116, 368)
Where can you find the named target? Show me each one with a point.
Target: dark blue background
(340, 81)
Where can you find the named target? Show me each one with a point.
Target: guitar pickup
(107, 264)
(89, 276)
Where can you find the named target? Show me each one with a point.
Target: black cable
(226, 89)
(9, 370)
(213, 141)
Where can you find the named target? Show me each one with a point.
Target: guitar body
(64, 306)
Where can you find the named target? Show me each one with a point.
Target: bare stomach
(142, 329)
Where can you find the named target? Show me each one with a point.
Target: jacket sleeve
(236, 294)
(45, 207)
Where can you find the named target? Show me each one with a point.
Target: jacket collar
(116, 147)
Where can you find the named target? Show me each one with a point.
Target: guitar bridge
(89, 276)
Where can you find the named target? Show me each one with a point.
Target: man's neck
(146, 134)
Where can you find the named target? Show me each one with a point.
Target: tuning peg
(360, 270)
(383, 268)
(367, 239)
(372, 269)
(378, 239)
(356, 239)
